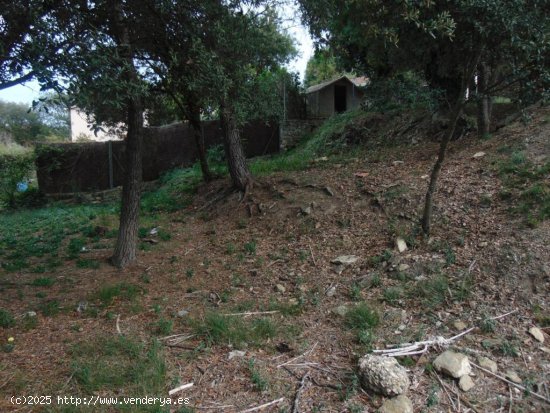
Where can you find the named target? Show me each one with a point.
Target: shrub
(14, 168)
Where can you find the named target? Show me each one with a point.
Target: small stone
(383, 375)
(303, 288)
(453, 364)
(399, 404)
(403, 267)
(545, 350)
(331, 291)
(236, 353)
(402, 327)
(293, 301)
(488, 364)
(345, 259)
(280, 288)
(396, 163)
(466, 383)
(341, 310)
(30, 314)
(537, 334)
(183, 313)
(483, 244)
(329, 190)
(400, 244)
(459, 325)
(478, 155)
(491, 343)
(306, 210)
(513, 376)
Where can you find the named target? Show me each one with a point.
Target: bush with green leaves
(14, 168)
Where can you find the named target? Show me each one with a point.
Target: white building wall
(81, 131)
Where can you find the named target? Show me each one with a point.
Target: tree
(446, 41)
(322, 66)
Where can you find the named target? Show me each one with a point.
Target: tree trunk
(484, 101)
(126, 245)
(236, 160)
(428, 203)
(195, 122)
(455, 115)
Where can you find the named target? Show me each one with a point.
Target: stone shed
(335, 96)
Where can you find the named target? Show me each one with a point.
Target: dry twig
(263, 406)
(180, 388)
(252, 313)
(295, 405)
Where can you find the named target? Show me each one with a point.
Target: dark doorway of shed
(340, 99)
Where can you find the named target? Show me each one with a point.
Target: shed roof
(356, 81)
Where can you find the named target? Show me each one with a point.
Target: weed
(259, 382)
(230, 248)
(6, 319)
(242, 223)
(488, 325)
(75, 247)
(29, 321)
(164, 327)
(286, 309)
(49, 308)
(119, 363)
(355, 292)
(43, 282)
(361, 317)
(108, 293)
(375, 280)
(509, 349)
(250, 247)
(189, 272)
(303, 255)
(392, 294)
(433, 292)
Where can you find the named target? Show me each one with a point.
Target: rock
(341, 310)
(280, 288)
(491, 343)
(403, 267)
(453, 364)
(306, 210)
(293, 301)
(331, 291)
(478, 155)
(383, 375)
(154, 231)
(329, 190)
(345, 259)
(537, 334)
(487, 364)
(236, 353)
(82, 306)
(466, 383)
(483, 244)
(399, 404)
(513, 376)
(459, 325)
(182, 313)
(400, 244)
(396, 163)
(545, 350)
(30, 314)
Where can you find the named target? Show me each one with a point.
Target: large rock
(383, 375)
(400, 404)
(453, 364)
(401, 244)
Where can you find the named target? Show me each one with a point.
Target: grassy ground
(225, 295)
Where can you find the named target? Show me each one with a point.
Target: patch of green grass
(164, 327)
(258, 380)
(525, 187)
(432, 292)
(287, 309)
(49, 308)
(86, 263)
(6, 319)
(230, 248)
(189, 272)
(107, 294)
(43, 282)
(392, 294)
(363, 320)
(355, 292)
(250, 247)
(118, 363)
(216, 328)
(508, 348)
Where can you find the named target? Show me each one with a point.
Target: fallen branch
(445, 390)
(420, 347)
(312, 256)
(307, 353)
(118, 324)
(519, 386)
(263, 406)
(180, 388)
(252, 313)
(295, 405)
